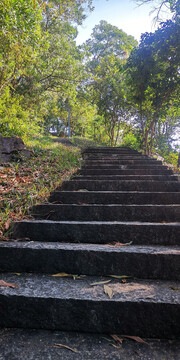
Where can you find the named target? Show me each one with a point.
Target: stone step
(99, 212)
(125, 167)
(154, 262)
(115, 157)
(146, 308)
(109, 149)
(127, 177)
(101, 232)
(142, 171)
(113, 185)
(26, 344)
(118, 197)
(111, 162)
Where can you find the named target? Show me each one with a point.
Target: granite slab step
(115, 157)
(126, 167)
(32, 344)
(154, 262)
(121, 162)
(146, 308)
(127, 177)
(142, 171)
(112, 212)
(118, 197)
(145, 233)
(113, 185)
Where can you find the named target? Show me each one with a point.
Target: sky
(125, 14)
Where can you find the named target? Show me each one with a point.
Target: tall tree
(154, 76)
(108, 49)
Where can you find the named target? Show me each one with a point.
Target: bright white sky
(125, 14)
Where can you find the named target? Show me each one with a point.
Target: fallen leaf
(117, 244)
(100, 283)
(83, 190)
(117, 339)
(16, 274)
(124, 281)
(108, 291)
(120, 276)
(135, 338)
(173, 288)
(59, 346)
(63, 275)
(3, 283)
(7, 223)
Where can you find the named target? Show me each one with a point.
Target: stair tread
(34, 344)
(47, 286)
(143, 249)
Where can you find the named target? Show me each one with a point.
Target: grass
(28, 182)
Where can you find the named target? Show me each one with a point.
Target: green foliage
(30, 182)
(107, 50)
(153, 71)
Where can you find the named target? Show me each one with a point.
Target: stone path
(118, 197)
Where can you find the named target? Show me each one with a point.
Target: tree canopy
(115, 90)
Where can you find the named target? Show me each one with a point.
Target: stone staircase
(116, 228)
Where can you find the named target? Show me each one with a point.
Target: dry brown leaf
(63, 275)
(108, 291)
(100, 283)
(3, 283)
(124, 281)
(118, 244)
(135, 338)
(59, 346)
(139, 290)
(117, 339)
(7, 223)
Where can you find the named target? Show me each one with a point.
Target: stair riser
(62, 212)
(100, 185)
(114, 198)
(121, 162)
(101, 233)
(127, 177)
(146, 319)
(150, 266)
(125, 167)
(124, 172)
(116, 157)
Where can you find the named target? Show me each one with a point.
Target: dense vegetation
(115, 91)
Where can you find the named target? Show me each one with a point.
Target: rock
(12, 148)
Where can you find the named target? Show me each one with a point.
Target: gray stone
(12, 148)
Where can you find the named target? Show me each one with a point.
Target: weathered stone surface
(121, 185)
(11, 148)
(135, 307)
(41, 301)
(112, 212)
(114, 197)
(99, 232)
(154, 262)
(128, 177)
(141, 171)
(25, 344)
